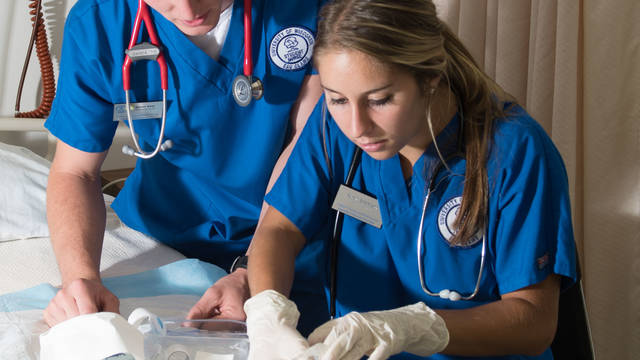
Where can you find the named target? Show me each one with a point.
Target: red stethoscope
(245, 88)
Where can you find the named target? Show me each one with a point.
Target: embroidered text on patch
(291, 48)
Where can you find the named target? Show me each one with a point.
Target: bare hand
(223, 300)
(79, 297)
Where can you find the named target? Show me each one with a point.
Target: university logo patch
(291, 48)
(447, 217)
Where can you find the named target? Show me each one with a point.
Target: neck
(226, 4)
(443, 107)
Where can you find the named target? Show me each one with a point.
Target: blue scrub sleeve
(82, 111)
(301, 192)
(534, 231)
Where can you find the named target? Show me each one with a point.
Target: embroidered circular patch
(447, 217)
(291, 48)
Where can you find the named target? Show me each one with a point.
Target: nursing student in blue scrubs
(411, 278)
(204, 195)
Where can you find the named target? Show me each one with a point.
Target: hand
(224, 299)
(271, 326)
(379, 334)
(79, 297)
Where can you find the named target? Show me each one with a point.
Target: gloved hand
(271, 327)
(379, 334)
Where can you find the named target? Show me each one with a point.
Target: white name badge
(358, 205)
(139, 110)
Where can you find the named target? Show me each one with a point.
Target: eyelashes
(371, 102)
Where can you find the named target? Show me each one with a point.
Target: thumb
(205, 308)
(111, 304)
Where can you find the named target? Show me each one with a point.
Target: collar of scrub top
(245, 86)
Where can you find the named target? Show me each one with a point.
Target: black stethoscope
(451, 295)
(245, 88)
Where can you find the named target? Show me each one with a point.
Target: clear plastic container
(197, 340)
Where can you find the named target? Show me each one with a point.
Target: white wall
(15, 33)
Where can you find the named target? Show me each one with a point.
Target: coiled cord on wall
(39, 37)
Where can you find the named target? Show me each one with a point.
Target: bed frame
(12, 124)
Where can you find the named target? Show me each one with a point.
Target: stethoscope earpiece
(449, 295)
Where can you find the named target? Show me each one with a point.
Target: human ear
(433, 83)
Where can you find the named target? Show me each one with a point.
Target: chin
(196, 30)
(381, 155)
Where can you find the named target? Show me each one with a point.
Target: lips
(197, 21)
(372, 146)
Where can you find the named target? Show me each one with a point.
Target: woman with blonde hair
(457, 236)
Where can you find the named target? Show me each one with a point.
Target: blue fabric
(202, 197)
(183, 277)
(529, 233)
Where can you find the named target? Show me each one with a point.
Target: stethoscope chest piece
(246, 88)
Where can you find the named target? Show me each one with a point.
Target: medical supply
(245, 86)
(92, 336)
(271, 326)
(181, 339)
(444, 293)
(145, 51)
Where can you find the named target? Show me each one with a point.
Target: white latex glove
(379, 334)
(271, 327)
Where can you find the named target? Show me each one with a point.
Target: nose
(360, 121)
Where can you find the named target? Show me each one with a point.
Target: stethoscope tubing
(445, 293)
(143, 15)
(248, 58)
(335, 240)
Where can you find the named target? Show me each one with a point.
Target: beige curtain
(575, 66)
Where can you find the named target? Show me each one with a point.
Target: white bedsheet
(26, 257)
(139, 270)
(28, 262)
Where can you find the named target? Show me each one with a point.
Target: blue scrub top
(203, 196)
(529, 233)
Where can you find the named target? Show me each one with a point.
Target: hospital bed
(141, 271)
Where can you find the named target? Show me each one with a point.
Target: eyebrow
(367, 92)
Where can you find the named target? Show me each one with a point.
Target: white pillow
(23, 183)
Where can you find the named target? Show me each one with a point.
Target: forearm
(513, 325)
(76, 216)
(273, 251)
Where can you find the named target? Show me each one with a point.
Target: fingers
(224, 300)
(63, 306)
(339, 346)
(208, 305)
(54, 312)
(320, 333)
(78, 298)
(110, 303)
(381, 352)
